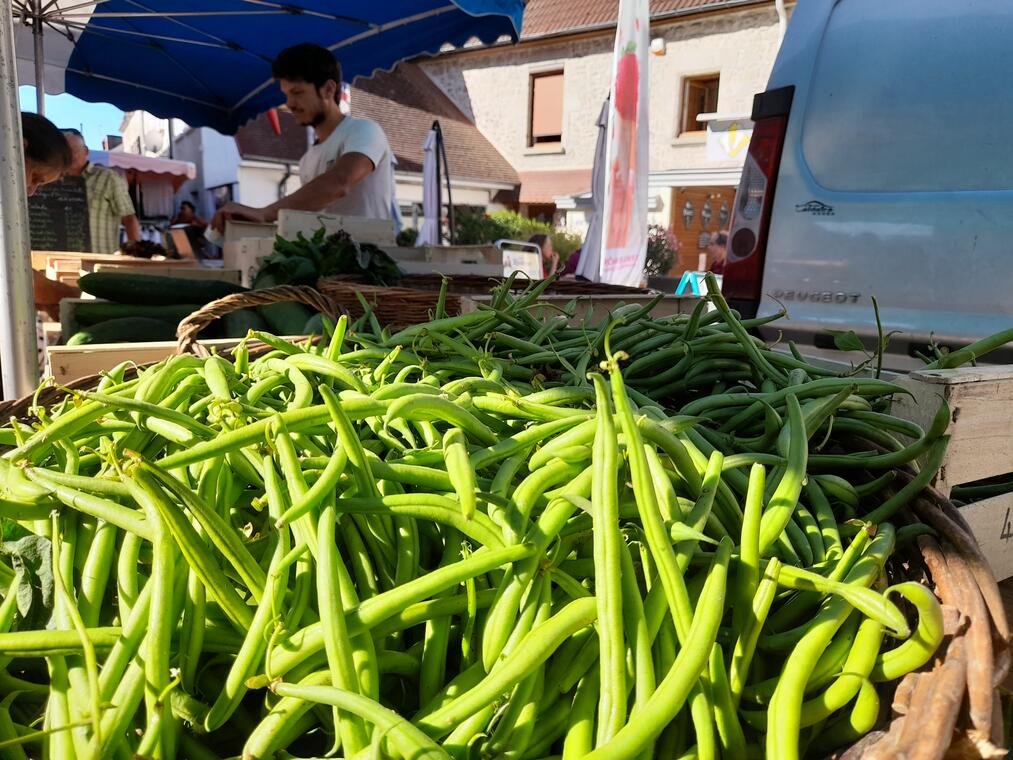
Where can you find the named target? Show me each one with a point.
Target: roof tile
(543, 17)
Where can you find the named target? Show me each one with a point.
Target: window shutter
(546, 107)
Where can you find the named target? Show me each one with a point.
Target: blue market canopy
(209, 63)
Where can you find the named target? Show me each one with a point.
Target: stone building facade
(733, 40)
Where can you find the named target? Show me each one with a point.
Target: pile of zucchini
(137, 308)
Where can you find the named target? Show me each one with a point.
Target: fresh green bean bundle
(493, 535)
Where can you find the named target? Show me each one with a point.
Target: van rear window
(913, 95)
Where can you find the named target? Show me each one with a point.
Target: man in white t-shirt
(348, 170)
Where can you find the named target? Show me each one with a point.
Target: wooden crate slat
(981, 419)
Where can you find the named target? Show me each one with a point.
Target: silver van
(881, 164)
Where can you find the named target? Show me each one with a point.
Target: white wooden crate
(981, 444)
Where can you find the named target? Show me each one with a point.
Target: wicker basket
(950, 708)
(414, 299)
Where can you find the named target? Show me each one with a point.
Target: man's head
(718, 244)
(310, 77)
(78, 150)
(47, 155)
(187, 211)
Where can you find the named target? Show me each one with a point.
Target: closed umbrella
(429, 234)
(208, 64)
(590, 252)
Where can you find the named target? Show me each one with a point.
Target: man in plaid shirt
(109, 203)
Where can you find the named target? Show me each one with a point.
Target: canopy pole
(19, 366)
(40, 59)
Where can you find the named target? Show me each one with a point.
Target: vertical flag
(624, 229)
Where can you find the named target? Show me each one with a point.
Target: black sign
(58, 216)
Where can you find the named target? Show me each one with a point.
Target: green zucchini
(237, 324)
(124, 330)
(285, 318)
(153, 290)
(88, 313)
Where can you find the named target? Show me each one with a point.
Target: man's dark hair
(308, 63)
(188, 203)
(44, 143)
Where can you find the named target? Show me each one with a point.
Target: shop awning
(143, 167)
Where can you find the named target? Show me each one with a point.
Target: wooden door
(696, 213)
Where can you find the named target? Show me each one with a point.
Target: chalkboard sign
(58, 216)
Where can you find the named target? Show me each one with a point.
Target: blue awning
(209, 64)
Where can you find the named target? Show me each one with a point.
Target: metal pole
(40, 60)
(19, 366)
(172, 139)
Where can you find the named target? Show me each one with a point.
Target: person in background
(348, 170)
(717, 250)
(550, 259)
(109, 203)
(47, 155)
(195, 227)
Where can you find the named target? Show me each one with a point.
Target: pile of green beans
(488, 536)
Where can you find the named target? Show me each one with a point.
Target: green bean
(673, 690)
(405, 739)
(607, 557)
(749, 632)
(784, 712)
(337, 643)
(462, 476)
(96, 506)
(149, 494)
(921, 646)
(749, 546)
(933, 461)
(535, 648)
(222, 535)
(782, 503)
(375, 610)
(733, 740)
(157, 643)
(971, 352)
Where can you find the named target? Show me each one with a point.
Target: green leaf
(846, 340)
(31, 558)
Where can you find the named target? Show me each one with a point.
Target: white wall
(258, 182)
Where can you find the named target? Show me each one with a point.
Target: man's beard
(318, 118)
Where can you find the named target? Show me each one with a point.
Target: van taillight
(747, 241)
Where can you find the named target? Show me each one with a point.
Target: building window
(545, 126)
(699, 95)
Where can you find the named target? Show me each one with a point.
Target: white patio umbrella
(590, 253)
(429, 234)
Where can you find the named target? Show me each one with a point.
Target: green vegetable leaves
(303, 260)
(31, 557)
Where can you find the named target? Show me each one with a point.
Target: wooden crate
(378, 231)
(981, 444)
(69, 363)
(480, 260)
(981, 419)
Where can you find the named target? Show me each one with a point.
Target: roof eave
(582, 31)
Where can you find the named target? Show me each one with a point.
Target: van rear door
(896, 177)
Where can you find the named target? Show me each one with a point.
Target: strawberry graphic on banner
(624, 233)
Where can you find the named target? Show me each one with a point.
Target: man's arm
(332, 185)
(132, 226)
(123, 206)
